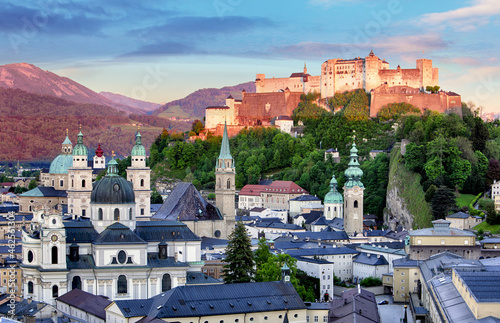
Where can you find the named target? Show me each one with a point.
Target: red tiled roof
(252, 190)
(285, 187)
(7, 184)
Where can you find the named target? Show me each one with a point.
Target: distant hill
(195, 103)
(33, 126)
(32, 79)
(125, 100)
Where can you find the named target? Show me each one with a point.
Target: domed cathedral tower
(57, 177)
(112, 200)
(99, 159)
(225, 189)
(44, 268)
(80, 180)
(334, 203)
(353, 196)
(140, 176)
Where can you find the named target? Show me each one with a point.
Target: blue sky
(163, 50)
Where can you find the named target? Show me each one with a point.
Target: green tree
(262, 255)
(156, 197)
(442, 202)
(239, 259)
(33, 183)
(370, 281)
(211, 196)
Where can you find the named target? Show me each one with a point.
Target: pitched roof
(118, 233)
(213, 300)
(285, 187)
(87, 302)
(80, 231)
(354, 306)
(306, 197)
(43, 191)
(459, 215)
(185, 203)
(483, 285)
(321, 252)
(199, 278)
(323, 235)
(252, 190)
(371, 260)
(164, 231)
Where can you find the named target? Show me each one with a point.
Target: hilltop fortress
(277, 97)
(341, 75)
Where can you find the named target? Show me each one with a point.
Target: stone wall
(442, 102)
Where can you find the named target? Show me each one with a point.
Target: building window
(316, 319)
(325, 318)
(99, 214)
(117, 215)
(355, 203)
(142, 211)
(30, 288)
(130, 214)
(83, 212)
(442, 241)
(61, 183)
(122, 284)
(30, 256)
(142, 182)
(76, 283)
(307, 318)
(83, 183)
(55, 291)
(166, 283)
(228, 184)
(54, 255)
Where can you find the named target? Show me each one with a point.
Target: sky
(162, 50)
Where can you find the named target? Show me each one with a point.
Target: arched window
(228, 183)
(166, 283)
(335, 209)
(122, 284)
(76, 283)
(30, 256)
(355, 203)
(130, 214)
(220, 183)
(72, 183)
(55, 291)
(99, 214)
(117, 215)
(61, 183)
(54, 255)
(142, 182)
(83, 183)
(30, 287)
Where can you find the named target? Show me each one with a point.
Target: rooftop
(90, 303)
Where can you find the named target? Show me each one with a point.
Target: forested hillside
(447, 153)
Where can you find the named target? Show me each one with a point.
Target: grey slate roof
(118, 233)
(321, 221)
(185, 203)
(306, 197)
(321, 252)
(323, 235)
(213, 300)
(405, 262)
(22, 308)
(310, 217)
(458, 215)
(5, 208)
(336, 223)
(482, 284)
(164, 230)
(354, 307)
(90, 303)
(80, 231)
(372, 260)
(199, 278)
(276, 225)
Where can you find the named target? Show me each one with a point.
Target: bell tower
(225, 175)
(353, 196)
(80, 180)
(140, 176)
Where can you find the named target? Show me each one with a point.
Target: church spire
(354, 173)
(225, 152)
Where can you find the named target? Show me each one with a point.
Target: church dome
(60, 164)
(80, 149)
(333, 196)
(138, 149)
(112, 189)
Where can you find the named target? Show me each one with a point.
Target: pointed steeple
(305, 68)
(67, 145)
(225, 152)
(112, 166)
(354, 173)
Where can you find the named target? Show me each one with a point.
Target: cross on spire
(113, 154)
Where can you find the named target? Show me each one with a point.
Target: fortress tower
(353, 196)
(225, 188)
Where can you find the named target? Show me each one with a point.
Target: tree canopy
(239, 267)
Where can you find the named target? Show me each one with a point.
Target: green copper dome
(60, 164)
(112, 189)
(354, 173)
(80, 149)
(333, 196)
(138, 149)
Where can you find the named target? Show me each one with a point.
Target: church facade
(103, 247)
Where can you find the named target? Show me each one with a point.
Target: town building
(367, 265)
(355, 305)
(83, 306)
(245, 302)
(463, 221)
(295, 204)
(423, 243)
(321, 269)
(249, 197)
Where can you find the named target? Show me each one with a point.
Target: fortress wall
(313, 84)
(277, 84)
(440, 102)
(215, 116)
